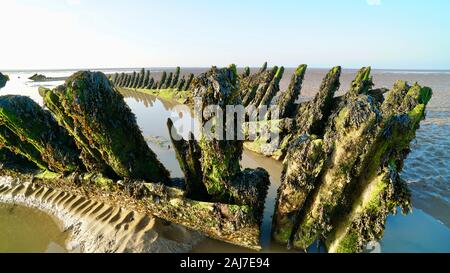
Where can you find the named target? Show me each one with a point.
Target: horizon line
(208, 67)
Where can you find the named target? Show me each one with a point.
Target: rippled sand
(90, 225)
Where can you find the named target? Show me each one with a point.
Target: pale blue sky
(403, 34)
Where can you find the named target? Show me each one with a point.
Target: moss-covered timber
(182, 97)
(163, 80)
(220, 157)
(379, 190)
(3, 79)
(273, 88)
(287, 103)
(189, 82)
(349, 133)
(28, 130)
(10, 141)
(127, 80)
(188, 154)
(253, 87)
(141, 78)
(346, 139)
(181, 83)
(359, 185)
(234, 216)
(133, 80)
(146, 79)
(303, 165)
(171, 86)
(313, 116)
(263, 86)
(310, 117)
(260, 137)
(233, 224)
(168, 83)
(104, 127)
(246, 72)
(176, 78)
(263, 68)
(16, 162)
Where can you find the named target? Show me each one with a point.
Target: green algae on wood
(32, 132)
(91, 157)
(168, 83)
(146, 79)
(220, 157)
(346, 138)
(188, 154)
(380, 189)
(302, 167)
(15, 162)
(233, 224)
(263, 68)
(181, 83)
(189, 82)
(182, 97)
(286, 104)
(246, 72)
(10, 141)
(3, 79)
(98, 113)
(163, 80)
(176, 78)
(273, 88)
(269, 137)
(311, 117)
(264, 84)
(359, 185)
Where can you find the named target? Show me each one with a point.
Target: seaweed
(104, 128)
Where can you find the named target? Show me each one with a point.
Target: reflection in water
(26, 230)
(415, 233)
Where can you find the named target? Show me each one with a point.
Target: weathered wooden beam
(176, 78)
(189, 155)
(379, 190)
(29, 130)
(302, 167)
(273, 88)
(287, 103)
(263, 85)
(233, 224)
(3, 80)
(104, 127)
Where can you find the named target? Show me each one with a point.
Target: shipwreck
(342, 155)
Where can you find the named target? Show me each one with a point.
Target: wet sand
(86, 225)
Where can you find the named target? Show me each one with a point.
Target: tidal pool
(27, 230)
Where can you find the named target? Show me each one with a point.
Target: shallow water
(427, 169)
(26, 230)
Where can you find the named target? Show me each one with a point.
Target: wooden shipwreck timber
(3, 80)
(342, 155)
